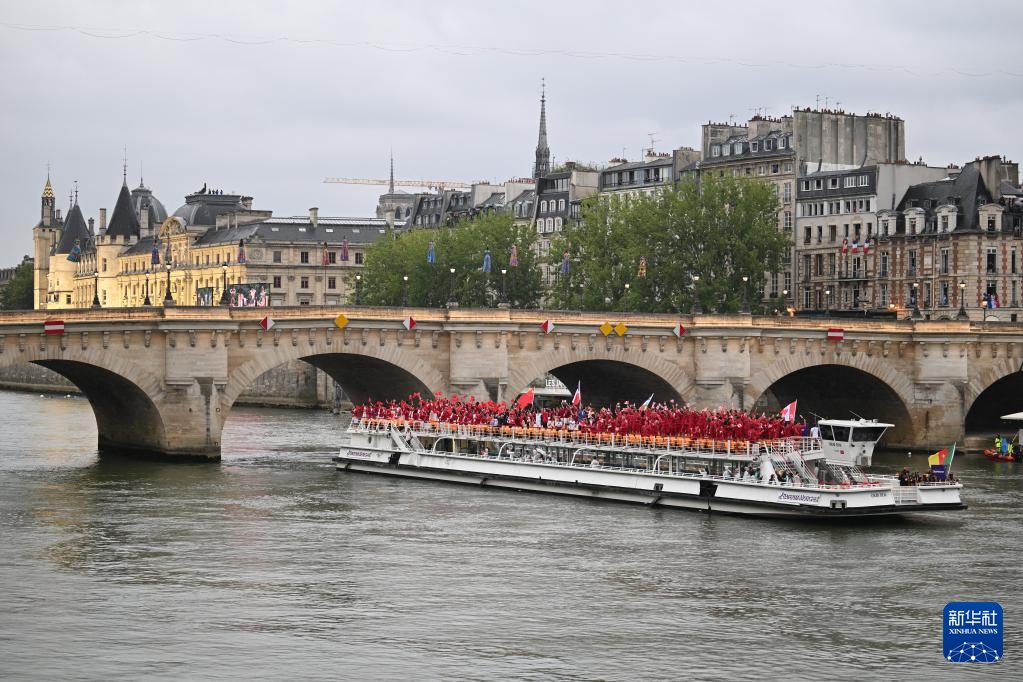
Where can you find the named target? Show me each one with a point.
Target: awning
(1014, 417)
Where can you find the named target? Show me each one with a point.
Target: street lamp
(697, 308)
(358, 290)
(168, 300)
(95, 293)
(625, 299)
(916, 301)
(404, 291)
(223, 294)
(451, 288)
(147, 301)
(961, 315)
(827, 302)
(745, 294)
(504, 286)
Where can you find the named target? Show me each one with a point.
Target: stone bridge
(162, 381)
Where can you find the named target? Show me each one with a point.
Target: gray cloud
(453, 88)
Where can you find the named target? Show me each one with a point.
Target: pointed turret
(542, 164)
(390, 185)
(124, 222)
(74, 231)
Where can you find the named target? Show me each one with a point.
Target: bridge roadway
(162, 381)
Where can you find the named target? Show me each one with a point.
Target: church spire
(390, 186)
(542, 165)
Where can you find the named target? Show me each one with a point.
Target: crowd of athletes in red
(653, 419)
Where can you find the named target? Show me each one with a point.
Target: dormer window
(737, 148)
(783, 142)
(754, 146)
(768, 145)
(715, 150)
(726, 150)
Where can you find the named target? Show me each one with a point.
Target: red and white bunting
(408, 323)
(547, 327)
(267, 323)
(53, 327)
(678, 330)
(835, 334)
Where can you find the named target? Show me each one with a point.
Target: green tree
(720, 230)
(17, 295)
(461, 247)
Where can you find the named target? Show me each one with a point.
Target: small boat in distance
(795, 477)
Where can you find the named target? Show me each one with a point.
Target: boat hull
(725, 497)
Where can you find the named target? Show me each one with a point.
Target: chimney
(91, 223)
(103, 220)
(144, 223)
(58, 217)
(247, 203)
(314, 215)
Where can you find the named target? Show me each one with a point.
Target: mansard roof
(966, 191)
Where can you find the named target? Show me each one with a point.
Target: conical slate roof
(123, 222)
(74, 229)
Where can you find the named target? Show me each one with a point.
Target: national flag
(948, 460)
(938, 458)
(326, 255)
(513, 260)
(53, 327)
(525, 399)
(845, 246)
(836, 334)
(267, 323)
(577, 398)
(409, 323)
(646, 403)
(788, 413)
(486, 261)
(547, 327)
(866, 247)
(678, 330)
(855, 245)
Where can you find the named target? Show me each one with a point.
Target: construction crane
(439, 185)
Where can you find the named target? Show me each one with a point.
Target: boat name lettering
(880, 493)
(360, 454)
(799, 497)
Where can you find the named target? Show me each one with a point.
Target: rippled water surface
(271, 565)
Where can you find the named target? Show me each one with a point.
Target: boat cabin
(850, 441)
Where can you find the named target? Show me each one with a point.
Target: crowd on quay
(656, 419)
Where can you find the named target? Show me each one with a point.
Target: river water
(272, 565)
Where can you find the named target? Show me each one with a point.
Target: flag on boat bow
(788, 413)
(577, 398)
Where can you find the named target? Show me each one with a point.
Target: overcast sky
(292, 92)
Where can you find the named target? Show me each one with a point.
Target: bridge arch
(363, 371)
(607, 376)
(123, 396)
(836, 388)
(995, 390)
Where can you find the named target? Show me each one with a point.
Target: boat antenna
(817, 415)
(858, 416)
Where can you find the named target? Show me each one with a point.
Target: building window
(332, 282)
(303, 282)
(358, 257)
(944, 261)
(303, 257)
(754, 146)
(992, 261)
(788, 281)
(806, 234)
(715, 150)
(850, 181)
(1012, 261)
(831, 264)
(304, 301)
(332, 257)
(819, 264)
(832, 183)
(944, 294)
(104, 268)
(557, 224)
(883, 294)
(884, 264)
(863, 181)
(543, 206)
(912, 225)
(276, 257)
(787, 193)
(561, 204)
(788, 220)
(990, 223)
(775, 169)
(832, 233)
(277, 281)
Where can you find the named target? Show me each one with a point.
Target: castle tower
(542, 164)
(44, 236)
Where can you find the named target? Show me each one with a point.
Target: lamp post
(745, 294)
(625, 299)
(147, 301)
(827, 302)
(223, 294)
(961, 315)
(452, 302)
(697, 308)
(916, 301)
(404, 291)
(504, 287)
(95, 293)
(358, 290)
(168, 300)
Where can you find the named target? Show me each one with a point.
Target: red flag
(788, 413)
(577, 399)
(525, 399)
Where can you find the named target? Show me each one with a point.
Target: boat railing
(739, 449)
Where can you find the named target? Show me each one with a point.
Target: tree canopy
(463, 248)
(720, 230)
(17, 295)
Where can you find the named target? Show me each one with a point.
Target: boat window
(841, 433)
(826, 432)
(867, 434)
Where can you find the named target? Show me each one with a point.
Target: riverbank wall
(295, 384)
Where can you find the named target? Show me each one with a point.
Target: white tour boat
(790, 477)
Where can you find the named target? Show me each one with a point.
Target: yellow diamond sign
(620, 329)
(606, 328)
(341, 321)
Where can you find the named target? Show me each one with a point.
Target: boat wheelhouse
(801, 477)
